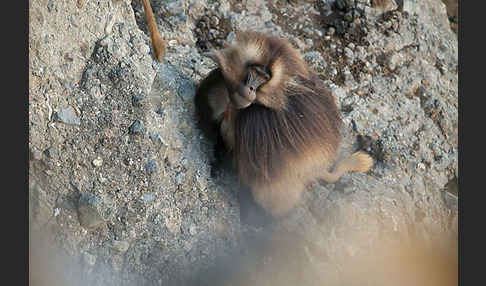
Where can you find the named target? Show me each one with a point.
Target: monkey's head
(257, 68)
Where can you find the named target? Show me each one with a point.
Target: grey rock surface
(393, 71)
(67, 115)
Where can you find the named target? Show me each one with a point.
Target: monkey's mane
(271, 141)
(276, 54)
(293, 124)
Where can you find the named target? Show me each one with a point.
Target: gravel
(137, 127)
(67, 115)
(145, 210)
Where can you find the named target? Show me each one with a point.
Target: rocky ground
(119, 176)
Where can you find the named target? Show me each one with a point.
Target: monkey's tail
(357, 162)
(158, 43)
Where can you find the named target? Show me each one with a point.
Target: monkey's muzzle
(243, 96)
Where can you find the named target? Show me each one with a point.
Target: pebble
(88, 215)
(348, 53)
(137, 127)
(89, 259)
(231, 37)
(157, 139)
(451, 200)
(121, 246)
(160, 111)
(137, 100)
(340, 4)
(51, 152)
(148, 197)
(394, 61)
(421, 166)
(348, 17)
(151, 166)
(334, 195)
(67, 115)
(172, 43)
(97, 162)
(36, 154)
(50, 5)
(331, 31)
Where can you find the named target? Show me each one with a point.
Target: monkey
(158, 43)
(276, 118)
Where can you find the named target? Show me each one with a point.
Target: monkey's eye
(262, 72)
(256, 76)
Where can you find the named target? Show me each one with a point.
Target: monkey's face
(243, 93)
(242, 77)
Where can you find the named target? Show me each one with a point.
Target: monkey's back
(278, 151)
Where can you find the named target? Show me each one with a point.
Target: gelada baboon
(276, 117)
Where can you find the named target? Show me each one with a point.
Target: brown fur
(158, 43)
(290, 134)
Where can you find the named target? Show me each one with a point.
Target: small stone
(89, 217)
(80, 3)
(137, 100)
(137, 127)
(172, 43)
(187, 246)
(450, 200)
(151, 166)
(148, 197)
(231, 37)
(157, 139)
(120, 246)
(50, 5)
(63, 202)
(214, 21)
(51, 152)
(334, 195)
(89, 259)
(348, 53)
(348, 17)
(97, 162)
(309, 42)
(67, 115)
(331, 31)
(340, 4)
(179, 178)
(160, 111)
(36, 154)
(323, 191)
(394, 61)
(88, 214)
